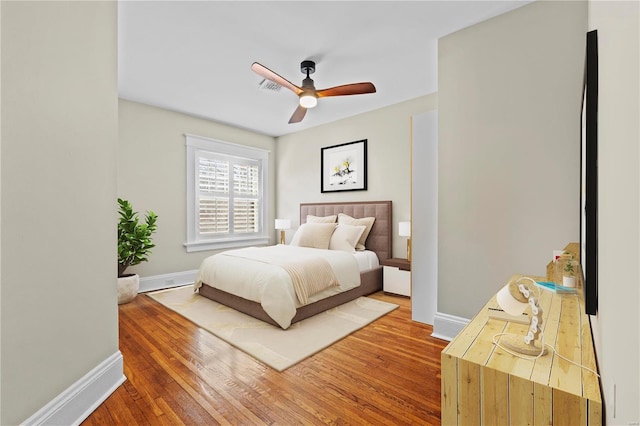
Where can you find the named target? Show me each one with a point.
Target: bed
(378, 243)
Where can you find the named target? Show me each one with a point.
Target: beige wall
(152, 175)
(617, 325)
(388, 134)
(58, 151)
(510, 93)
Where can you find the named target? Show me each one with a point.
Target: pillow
(321, 219)
(345, 237)
(315, 235)
(344, 219)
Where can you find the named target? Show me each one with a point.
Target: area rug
(275, 347)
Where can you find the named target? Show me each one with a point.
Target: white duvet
(270, 285)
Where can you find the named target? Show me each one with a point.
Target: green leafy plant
(134, 238)
(568, 266)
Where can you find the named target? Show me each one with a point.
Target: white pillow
(345, 237)
(315, 235)
(344, 219)
(321, 219)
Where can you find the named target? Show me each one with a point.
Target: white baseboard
(79, 400)
(174, 279)
(446, 326)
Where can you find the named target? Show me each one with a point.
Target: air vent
(269, 85)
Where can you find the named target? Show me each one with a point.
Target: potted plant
(569, 266)
(134, 245)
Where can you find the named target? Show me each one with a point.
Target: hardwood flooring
(387, 373)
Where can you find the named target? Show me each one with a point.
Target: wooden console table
(483, 384)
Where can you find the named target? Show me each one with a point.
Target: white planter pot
(569, 281)
(128, 287)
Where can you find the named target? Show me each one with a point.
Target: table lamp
(404, 230)
(514, 298)
(282, 224)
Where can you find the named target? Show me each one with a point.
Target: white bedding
(366, 260)
(270, 285)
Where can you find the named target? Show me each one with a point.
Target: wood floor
(387, 373)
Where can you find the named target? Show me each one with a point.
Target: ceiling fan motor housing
(307, 83)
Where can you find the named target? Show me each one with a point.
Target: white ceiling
(195, 56)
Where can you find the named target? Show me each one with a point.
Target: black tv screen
(590, 176)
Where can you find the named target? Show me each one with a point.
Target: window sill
(218, 245)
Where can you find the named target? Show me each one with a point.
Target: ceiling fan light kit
(308, 100)
(307, 93)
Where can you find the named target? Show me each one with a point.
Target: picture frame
(344, 167)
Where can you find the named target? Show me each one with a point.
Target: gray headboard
(379, 239)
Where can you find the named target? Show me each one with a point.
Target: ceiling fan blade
(265, 72)
(347, 89)
(298, 115)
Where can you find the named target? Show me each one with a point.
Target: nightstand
(396, 275)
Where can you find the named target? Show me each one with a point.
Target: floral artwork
(344, 167)
(344, 173)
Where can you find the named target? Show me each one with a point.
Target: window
(226, 194)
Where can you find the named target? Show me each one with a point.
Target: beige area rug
(278, 348)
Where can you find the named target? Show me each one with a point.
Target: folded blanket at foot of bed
(309, 276)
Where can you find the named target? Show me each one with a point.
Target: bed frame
(378, 241)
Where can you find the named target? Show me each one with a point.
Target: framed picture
(344, 167)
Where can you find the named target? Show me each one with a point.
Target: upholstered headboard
(379, 239)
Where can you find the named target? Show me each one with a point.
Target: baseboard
(79, 400)
(446, 327)
(159, 282)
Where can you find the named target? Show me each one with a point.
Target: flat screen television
(589, 193)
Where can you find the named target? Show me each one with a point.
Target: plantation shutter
(213, 201)
(246, 208)
(228, 195)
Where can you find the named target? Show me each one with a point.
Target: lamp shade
(283, 224)
(404, 229)
(509, 302)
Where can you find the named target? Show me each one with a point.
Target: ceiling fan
(307, 93)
